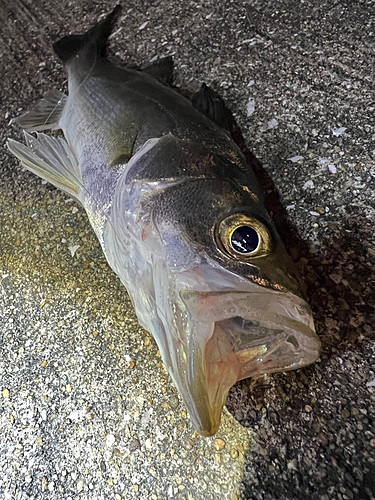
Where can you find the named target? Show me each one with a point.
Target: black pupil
(245, 239)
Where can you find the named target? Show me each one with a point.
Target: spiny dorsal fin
(71, 45)
(211, 105)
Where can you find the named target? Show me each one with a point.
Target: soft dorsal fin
(162, 70)
(71, 45)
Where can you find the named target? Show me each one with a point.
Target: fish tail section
(45, 115)
(95, 38)
(49, 158)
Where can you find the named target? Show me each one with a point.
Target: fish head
(237, 320)
(230, 301)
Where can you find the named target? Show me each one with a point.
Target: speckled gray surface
(87, 409)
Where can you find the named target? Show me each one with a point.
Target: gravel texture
(87, 409)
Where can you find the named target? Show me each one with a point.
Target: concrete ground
(87, 409)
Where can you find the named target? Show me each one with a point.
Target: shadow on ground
(324, 454)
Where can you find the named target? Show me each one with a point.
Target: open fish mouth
(235, 335)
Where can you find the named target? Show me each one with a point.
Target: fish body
(180, 217)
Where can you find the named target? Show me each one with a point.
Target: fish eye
(244, 237)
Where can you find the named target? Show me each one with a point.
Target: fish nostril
(292, 340)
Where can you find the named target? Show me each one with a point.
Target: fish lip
(209, 376)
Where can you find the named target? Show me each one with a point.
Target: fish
(180, 216)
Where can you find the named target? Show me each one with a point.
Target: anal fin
(49, 158)
(45, 115)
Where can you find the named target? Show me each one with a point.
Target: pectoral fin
(49, 158)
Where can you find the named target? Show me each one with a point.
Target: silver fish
(180, 217)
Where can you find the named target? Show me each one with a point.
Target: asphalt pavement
(87, 409)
